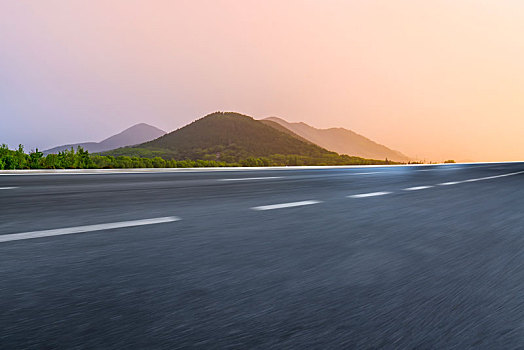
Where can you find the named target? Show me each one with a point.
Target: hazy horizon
(432, 80)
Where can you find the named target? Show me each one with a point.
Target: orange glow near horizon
(434, 80)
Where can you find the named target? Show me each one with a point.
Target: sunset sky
(433, 79)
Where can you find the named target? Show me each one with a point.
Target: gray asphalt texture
(436, 268)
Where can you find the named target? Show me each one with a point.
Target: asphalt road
(379, 257)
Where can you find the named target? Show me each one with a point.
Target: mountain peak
(229, 137)
(133, 135)
(141, 125)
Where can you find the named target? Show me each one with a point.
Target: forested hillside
(233, 138)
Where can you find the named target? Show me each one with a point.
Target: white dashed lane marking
(372, 194)
(83, 229)
(417, 188)
(449, 183)
(286, 205)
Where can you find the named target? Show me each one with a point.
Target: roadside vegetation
(81, 159)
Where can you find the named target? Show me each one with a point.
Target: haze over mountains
(134, 135)
(340, 140)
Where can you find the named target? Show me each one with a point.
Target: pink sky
(432, 79)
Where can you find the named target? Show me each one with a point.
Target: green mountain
(232, 138)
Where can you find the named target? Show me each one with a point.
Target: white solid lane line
(285, 205)
(252, 178)
(7, 188)
(417, 188)
(481, 178)
(281, 177)
(372, 194)
(82, 229)
(494, 177)
(373, 172)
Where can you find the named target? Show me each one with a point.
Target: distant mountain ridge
(232, 137)
(134, 135)
(283, 129)
(340, 140)
(227, 135)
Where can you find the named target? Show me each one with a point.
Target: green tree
(21, 158)
(158, 162)
(82, 159)
(35, 159)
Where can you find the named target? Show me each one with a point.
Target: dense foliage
(18, 159)
(81, 159)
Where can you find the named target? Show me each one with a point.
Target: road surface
(378, 257)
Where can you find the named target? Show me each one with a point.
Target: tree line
(81, 159)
